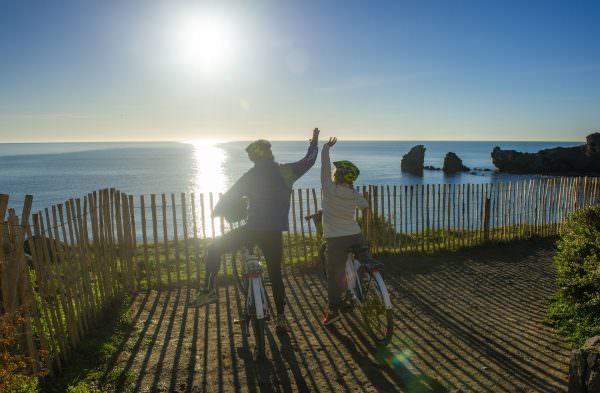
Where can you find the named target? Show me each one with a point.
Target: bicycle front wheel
(377, 317)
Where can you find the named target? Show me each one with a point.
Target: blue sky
(116, 70)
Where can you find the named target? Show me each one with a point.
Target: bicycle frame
(256, 310)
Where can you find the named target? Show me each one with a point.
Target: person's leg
(337, 255)
(230, 241)
(272, 247)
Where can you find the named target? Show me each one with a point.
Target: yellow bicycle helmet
(348, 171)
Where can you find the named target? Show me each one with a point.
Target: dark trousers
(337, 254)
(271, 246)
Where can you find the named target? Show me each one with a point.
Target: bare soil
(464, 321)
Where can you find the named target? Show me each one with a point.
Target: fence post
(486, 220)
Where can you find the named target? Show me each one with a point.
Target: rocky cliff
(583, 159)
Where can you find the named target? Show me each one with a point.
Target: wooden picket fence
(64, 266)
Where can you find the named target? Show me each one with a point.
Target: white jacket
(339, 203)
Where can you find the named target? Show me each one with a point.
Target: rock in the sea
(412, 161)
(431, 168)
(584, 371)
(453, 164)
(592, 145)
(583, 159)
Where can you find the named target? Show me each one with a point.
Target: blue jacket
(268, 187)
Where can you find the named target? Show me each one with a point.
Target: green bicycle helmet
(259, 150)
(349, 171)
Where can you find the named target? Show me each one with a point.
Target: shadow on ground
(465, 321)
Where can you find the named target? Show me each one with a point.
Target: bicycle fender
(384, 292)
(351, 277)
(258, 298)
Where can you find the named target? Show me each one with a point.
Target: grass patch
(164, 263)
(95, 367)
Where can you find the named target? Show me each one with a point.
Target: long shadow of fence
(473, 323)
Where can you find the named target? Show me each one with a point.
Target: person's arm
(294, 170)
(361, 202)
(326, 182)
(232, 196)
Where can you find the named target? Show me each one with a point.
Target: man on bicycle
(340, 229)
(267, 187)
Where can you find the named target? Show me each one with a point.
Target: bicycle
(366, 289)
(250, 281)
(256, 307)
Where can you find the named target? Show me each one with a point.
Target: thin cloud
(578, 69)
(367, 81)
(44, 116)
(566, 69)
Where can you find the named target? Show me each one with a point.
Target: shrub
(576, 306)
(381, 231)
(82, 387)
(14, 377)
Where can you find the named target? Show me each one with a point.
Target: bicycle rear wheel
(378, 319)
(258, 324)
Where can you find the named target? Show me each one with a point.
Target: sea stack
(453, 164)
(412, 162)
(582, 159)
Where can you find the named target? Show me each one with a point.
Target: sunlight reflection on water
(208, 166)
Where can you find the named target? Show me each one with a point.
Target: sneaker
(330, 317)
(281, 325)
(206, 297)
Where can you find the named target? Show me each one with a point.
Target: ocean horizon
(54, 172)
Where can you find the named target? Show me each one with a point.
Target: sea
(55, 172)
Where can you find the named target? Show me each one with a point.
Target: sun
(204, 42)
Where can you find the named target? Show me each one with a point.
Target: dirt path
(468, 321)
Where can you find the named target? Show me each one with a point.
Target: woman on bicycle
(340, 229)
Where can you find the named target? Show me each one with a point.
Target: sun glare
(204, 42)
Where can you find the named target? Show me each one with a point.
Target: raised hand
(315, 136)
(332, 141)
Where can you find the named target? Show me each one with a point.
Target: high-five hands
(332, 141)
